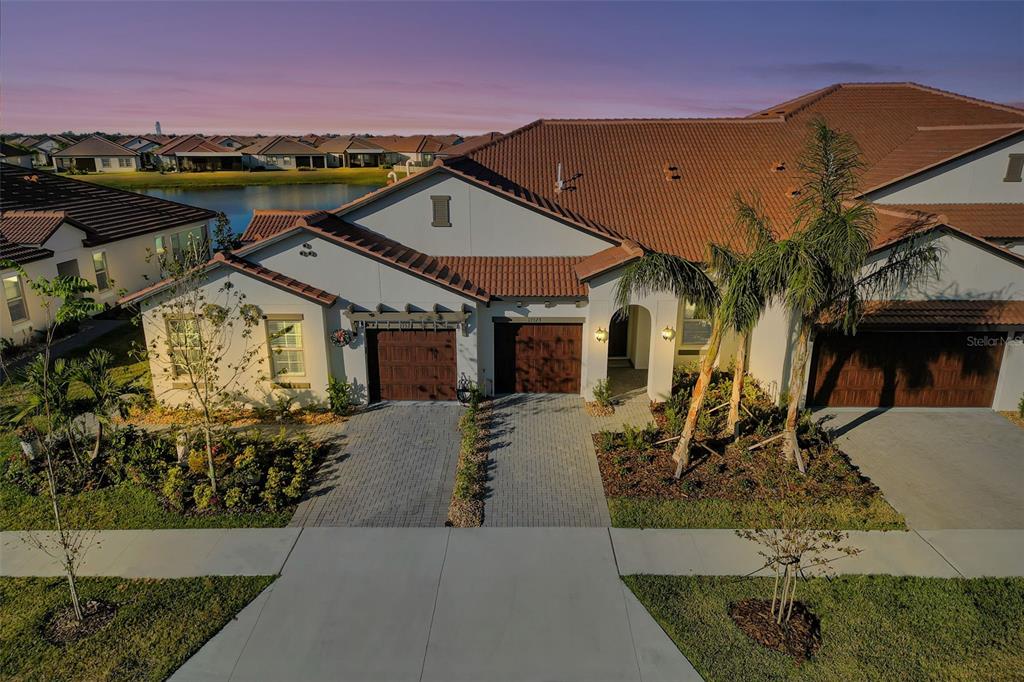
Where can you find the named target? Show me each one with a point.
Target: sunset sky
(291, 67)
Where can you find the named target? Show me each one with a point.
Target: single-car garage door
(905, 369)
(538, 358)
(411, 365)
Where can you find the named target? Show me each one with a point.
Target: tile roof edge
(940, 222)
(1017, 130)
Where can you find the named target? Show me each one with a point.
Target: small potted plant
(464, 389)
(342, 337)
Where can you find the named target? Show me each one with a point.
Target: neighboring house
(95, 154)
(196, 153)
(501, 265)
(145, 146)
(19, 156)
(280, 152)
(230, 141)
(352, 152)
(468, 145)
(55, 225)
(419, 149)
(43, 147)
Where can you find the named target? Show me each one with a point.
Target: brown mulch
(732, 473)
(465, 513)
(469, 513)
(799, 637)
(1014, 417)
(596, 409)
(162, 416)
(63, 628)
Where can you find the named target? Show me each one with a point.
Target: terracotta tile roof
(608, 259)
(469, 144)
(95, 146)
(280, 145)
(105, 213)
(191, 143)
(335, 145)
(408, 144)
(267, 223)
(251, 269)
(30, 228)
(988, 221)
(943, 313)
(618, 172)
(930, 147)
(509, 276)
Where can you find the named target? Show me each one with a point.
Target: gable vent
(441, 211)
(672, 171)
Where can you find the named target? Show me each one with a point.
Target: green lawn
(157, 626)
(841, 514)
(873, 627)
(125, 506)
(320, 176)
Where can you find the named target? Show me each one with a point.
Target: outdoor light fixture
(601, 334)
(668, 333)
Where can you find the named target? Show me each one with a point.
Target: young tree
(819, 271)
(223, 237)
(63, 301)
(201, 337)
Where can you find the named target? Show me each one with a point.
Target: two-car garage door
(905, 369)
(421, 364)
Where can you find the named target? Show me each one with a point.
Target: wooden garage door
(538, 358)
(411, 365)
(905, 369)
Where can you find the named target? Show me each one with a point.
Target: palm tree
(819, 271)
(662, 272)
(94, 372)
(744, 294)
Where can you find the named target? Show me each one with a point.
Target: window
(124, 162)
(1015, 169)
(183, 340)
(189, 242)
(285, 340)
(105, 162)
(696, 330)
(442, 211)
(15, 295)
(99, 265)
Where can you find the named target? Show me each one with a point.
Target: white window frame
(105, 162)
(175, 349)
(20, 299)
(105, 270)
(275, 350)
(690, 318)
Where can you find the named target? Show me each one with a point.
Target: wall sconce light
(668, 333)
(601, 334)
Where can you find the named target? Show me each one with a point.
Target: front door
(618, 337)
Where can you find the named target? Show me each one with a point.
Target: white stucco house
(281, 153)
(51, 225)
(500, 265)
(95, 154)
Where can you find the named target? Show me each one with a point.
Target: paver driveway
(942, 468)
(394, 466)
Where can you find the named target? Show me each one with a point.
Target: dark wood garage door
(905, 369)
(538, 358)
(411, 365)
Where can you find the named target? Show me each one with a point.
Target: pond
(238, 203)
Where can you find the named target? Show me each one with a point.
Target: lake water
(238, 203)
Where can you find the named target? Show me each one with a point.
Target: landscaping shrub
(603, 393)
(467, 506)
(341, 395)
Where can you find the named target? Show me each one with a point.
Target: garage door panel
(538, 358)
(905, 369)
(412, 365)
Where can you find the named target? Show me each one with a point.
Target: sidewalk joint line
(288, 555)
(433, 610)
(936, 550)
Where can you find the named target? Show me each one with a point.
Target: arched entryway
(629, 350)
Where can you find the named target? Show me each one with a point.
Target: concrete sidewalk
(255, 551)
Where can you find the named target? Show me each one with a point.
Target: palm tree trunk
(733, 424)
(96, 444)
(707, 365)
(796, 389)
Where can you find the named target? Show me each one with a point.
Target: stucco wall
(483, 224)
(977, 178)
(1010, 388)
(272, 301)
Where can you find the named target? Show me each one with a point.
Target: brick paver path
(543, 465)
(394, 466)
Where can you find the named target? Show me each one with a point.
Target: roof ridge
(812, 96)
(973, 126)
(654, 120)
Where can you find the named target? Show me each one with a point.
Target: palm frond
(662, 272)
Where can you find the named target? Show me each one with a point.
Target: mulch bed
(161, 416)
(63, 628)
(469, 513)
(1014, 417)
(596, 409)
(732, 473)
(799, 637)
